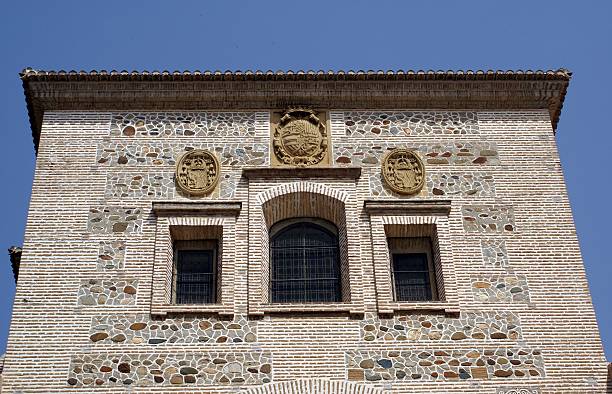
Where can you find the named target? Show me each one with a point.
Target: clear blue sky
(179, 35)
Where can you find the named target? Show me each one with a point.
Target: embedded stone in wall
(494, 252)
(453, 153)
(107, 292)
(384, 124)
(198, 124)
(517, 390)
(445, 365)
(140, 329)
(114, 220)
(139, 185)
(159, 185)
(488, 218)
(442, 185)
(111, 255)
(161, 369)
(487, 326)
(500, 288)
(160, 154)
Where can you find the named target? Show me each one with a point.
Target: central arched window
(305, 261)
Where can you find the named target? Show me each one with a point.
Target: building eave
(15, 256)
(252, 90)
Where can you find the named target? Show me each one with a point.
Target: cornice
(302, 172)
(168, 91)
(408, 207)
(197, 208)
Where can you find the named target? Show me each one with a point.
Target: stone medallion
(403, 171)
(197, 172)
(300, 138)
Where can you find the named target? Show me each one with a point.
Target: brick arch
(306, 200)
(314, 386)
(301, 187)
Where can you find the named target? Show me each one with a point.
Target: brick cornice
(302, 172)
(409, 207)
(218, 207)
(165, 91)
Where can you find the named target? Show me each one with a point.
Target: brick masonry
(521, 319)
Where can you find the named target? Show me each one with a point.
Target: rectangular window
(412, 269)
(195, 271)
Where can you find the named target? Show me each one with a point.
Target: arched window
(305, 261)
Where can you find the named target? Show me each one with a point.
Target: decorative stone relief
(500, 288)
(386, 124)
(162, 369)
(107, 219)
(198, 124)
(445, 185)
(187, 330)
(403, 171)
(432, 364)
(107, 292)
(508, 390)
(485, 326)
(494, 252)
(300, 138)
(454, 153)
(111, 255)
(488, 218)
(162, 154)
(197, 172)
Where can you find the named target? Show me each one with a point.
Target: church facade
(316, 232)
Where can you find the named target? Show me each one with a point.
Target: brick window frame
(275, 195)
(210, 220)
(412, 219)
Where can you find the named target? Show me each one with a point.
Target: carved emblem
(197, 172)
(403, 171)
(300, 138)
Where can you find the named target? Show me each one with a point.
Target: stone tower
(310, 232)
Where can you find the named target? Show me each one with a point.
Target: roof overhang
(15, 255)
(168, 91)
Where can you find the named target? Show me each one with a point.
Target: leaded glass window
(305, 262)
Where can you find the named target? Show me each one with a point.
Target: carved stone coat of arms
(197, 172)
(403, 171)
(300, 138)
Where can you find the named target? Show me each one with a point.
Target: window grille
(305, 263)
(412, 269)
(194, 275)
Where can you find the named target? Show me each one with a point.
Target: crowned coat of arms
(300, 139)
(403, 171)
(197, 172)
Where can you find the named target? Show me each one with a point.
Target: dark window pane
(195, 279)
(305, 264)
(412, 277)
(410, 262)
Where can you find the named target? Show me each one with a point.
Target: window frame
(309, 197)
(210, 245)
(326, 226)
(412, 218)
(189, 221)
(403, 250)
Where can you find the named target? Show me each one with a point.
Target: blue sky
(179, 35)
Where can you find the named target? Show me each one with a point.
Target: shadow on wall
(609, 390)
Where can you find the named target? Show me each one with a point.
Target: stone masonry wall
(82, 318)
